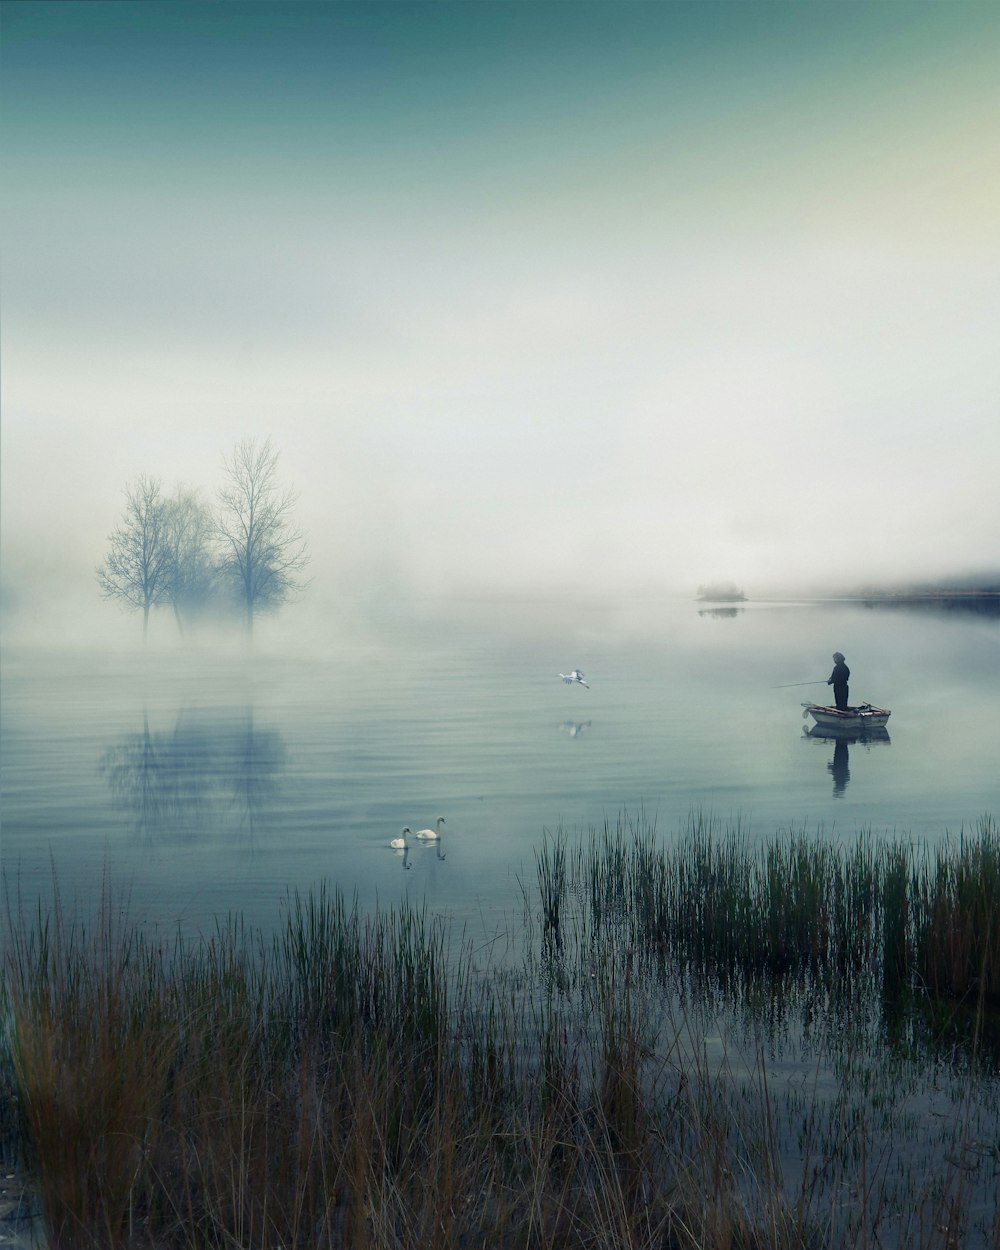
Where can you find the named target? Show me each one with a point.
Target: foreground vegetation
(620, 1079)
(926, 920)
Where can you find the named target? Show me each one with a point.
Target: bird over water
(574, 676)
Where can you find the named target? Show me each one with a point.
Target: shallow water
(205, 780)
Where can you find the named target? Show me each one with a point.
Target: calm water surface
(206, 781)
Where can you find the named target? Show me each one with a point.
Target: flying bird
(575, 676)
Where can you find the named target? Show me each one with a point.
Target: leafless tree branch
(136, 569)
(262, 549)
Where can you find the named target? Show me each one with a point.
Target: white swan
(427, 834)
(575, 676)
(399, 844)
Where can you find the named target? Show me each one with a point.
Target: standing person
(838, 680)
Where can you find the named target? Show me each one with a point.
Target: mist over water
(206, 779)
(546, 318)
(606, 303)
(551, 314)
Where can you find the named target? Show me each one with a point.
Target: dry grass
(353, 1084)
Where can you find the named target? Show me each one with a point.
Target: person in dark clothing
(838, 680)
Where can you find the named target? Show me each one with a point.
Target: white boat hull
(858, 719)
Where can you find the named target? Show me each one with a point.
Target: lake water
(205, 780)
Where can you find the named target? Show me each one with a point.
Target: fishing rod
(785, 685)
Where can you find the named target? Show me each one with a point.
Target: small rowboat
(866, 716)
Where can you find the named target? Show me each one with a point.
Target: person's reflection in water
(839, 768)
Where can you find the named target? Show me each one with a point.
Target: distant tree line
(721, 592)
(245, 555)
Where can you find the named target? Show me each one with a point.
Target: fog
(537, 300)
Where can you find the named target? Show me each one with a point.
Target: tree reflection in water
(210, 775)
(721, 614)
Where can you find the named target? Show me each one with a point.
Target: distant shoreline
(981, 588)
(894, 596)
(978, 602)
(865, 596)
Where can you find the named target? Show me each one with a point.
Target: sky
(533, 298)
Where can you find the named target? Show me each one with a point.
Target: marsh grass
(923, 921)
(957, 924)
(361, 1080)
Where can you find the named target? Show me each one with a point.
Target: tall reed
(957, 925)
(715, 901)
(91, 1062)
(359, 1081)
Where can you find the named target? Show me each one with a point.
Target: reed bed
(360, 1080)
(919, 920)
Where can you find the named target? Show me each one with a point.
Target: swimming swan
(427, 834)
(399, 844)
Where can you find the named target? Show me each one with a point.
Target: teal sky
(625, 295)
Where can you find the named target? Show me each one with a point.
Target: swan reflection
(210, 774)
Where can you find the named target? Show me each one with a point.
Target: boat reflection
(843, 739)
(209, 775)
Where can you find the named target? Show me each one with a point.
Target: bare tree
(262, 550)
(136, 570)
(190, 529)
